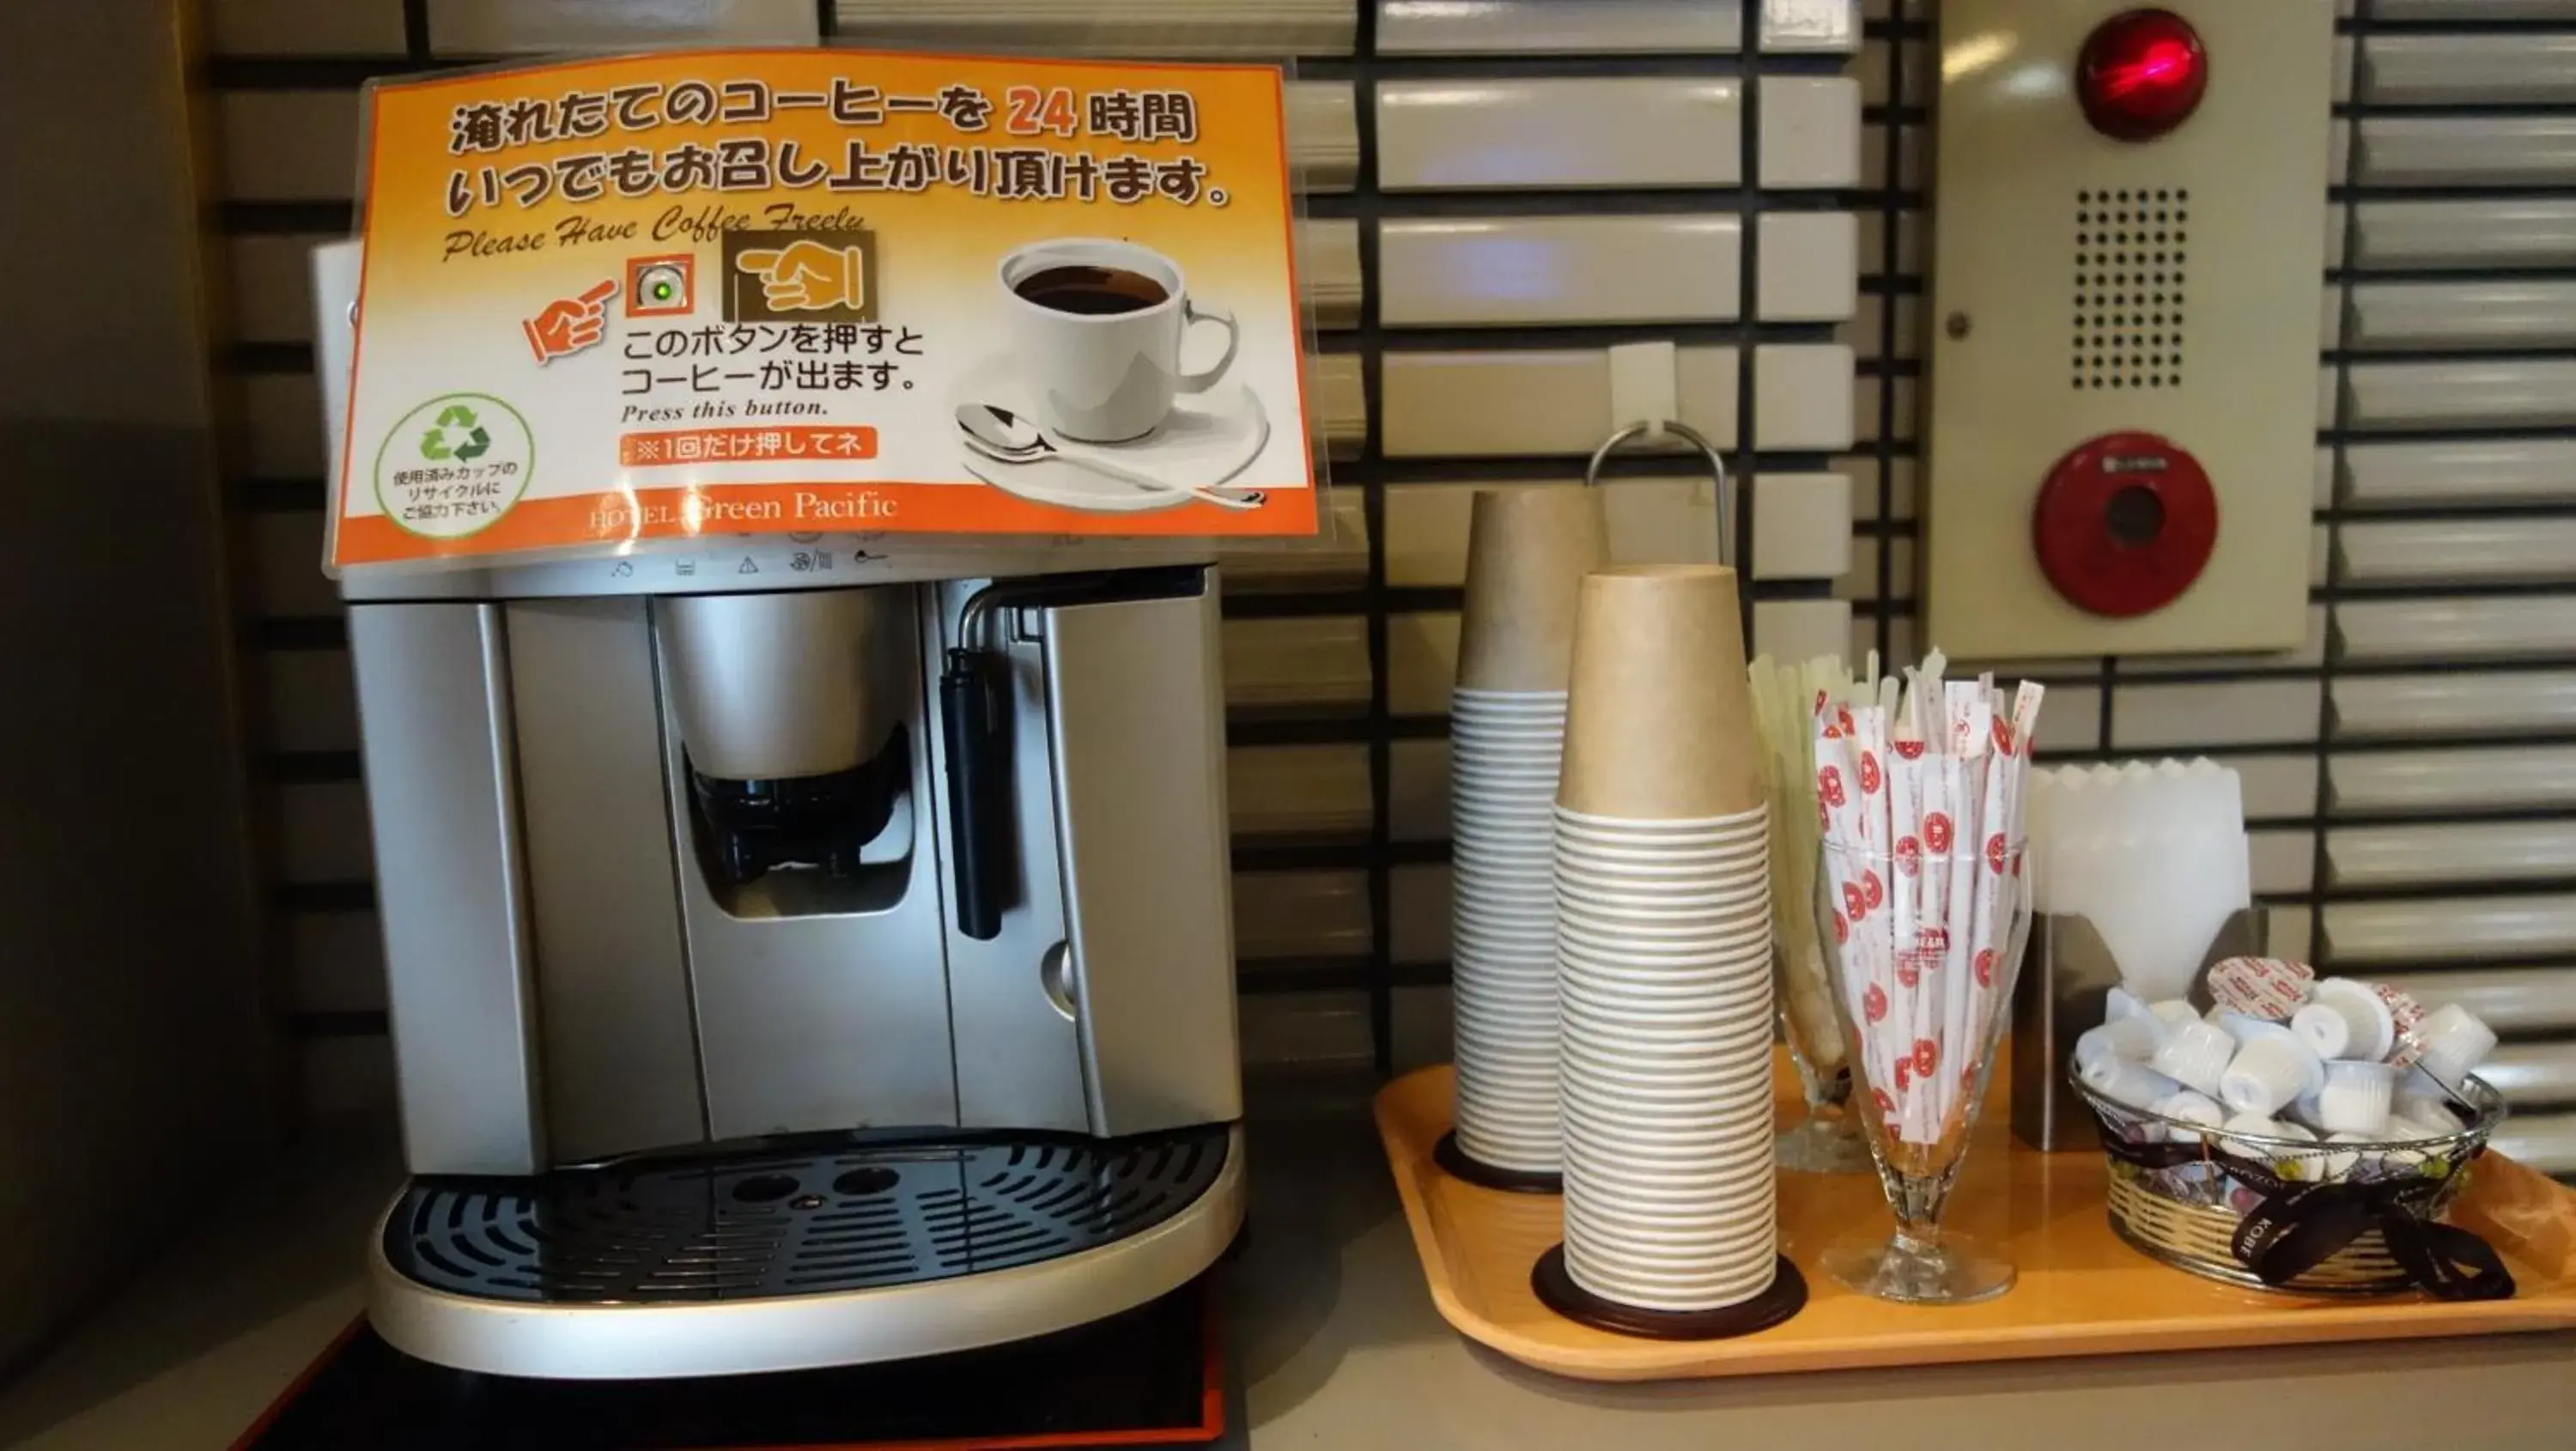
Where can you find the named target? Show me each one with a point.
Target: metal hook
(1708, 451)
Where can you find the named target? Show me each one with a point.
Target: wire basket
(2298, 1216)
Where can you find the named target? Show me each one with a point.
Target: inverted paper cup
(1667, 1189)
(1680, 1107)
(1528, 548)
(1709, 1092)
(1680, 868)
(1671, 989)
(1670, 1261)
(1508, 699)
(1659, 715)
(1739, 1278)
(1754, 816)
(1506, 710)
(1679, 1161)
(1634, 947)
(1752, 1208)
(1735, 886)
(1720, 1004)
(1703, 835)
(1618, 1213)
(1651, 909)
(1656, 1056)
(1717, 1262)
(1727, 844)
(1707, 1096)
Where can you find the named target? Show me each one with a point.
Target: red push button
(2124, 524)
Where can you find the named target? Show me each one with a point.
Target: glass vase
(1921, 951)
(1828, 1138)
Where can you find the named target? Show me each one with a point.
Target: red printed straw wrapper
(1904, 770)
(1999, 897)
(1867, 979)
(1971, 746)
(1870, 747)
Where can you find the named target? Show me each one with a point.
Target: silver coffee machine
(795, 960)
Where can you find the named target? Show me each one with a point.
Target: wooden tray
(2081, 1291)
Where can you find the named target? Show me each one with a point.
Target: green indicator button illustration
(452, 466)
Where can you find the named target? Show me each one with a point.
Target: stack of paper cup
(1664, 950)
(1528, 550)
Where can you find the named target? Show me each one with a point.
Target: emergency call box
(2128, 241)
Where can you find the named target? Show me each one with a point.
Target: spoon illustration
(1005, 437)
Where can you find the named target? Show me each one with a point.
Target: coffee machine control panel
(2131, 218)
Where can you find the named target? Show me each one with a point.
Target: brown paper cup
(1528, 549)
(1659, 718)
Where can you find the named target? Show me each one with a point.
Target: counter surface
(1337, 1342)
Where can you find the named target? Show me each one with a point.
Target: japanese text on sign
(756, 163)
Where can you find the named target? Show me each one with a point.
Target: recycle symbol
(457, 434)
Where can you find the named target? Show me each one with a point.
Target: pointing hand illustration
(806, 276)
(570, 324)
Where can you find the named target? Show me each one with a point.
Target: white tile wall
(338, 960)
(2462, 316)
(1525, 271)
(2462, 930)
(2374, 783)
(2458, 551)
(1302, 661)
(2470, 852)
(516, 27)
(1801, 629)
(2155, 719)
(1645, 131)
(322, 833)
(2492, 69)
(1580, 27)
(311, 701)
(2446, 151)
(2459, 472)
(305, 27)
(1811, 132)
(1301, 914)
(2467, 414)
(2484, 232)
(1292, 790)
(2455, 629)
(1557, 401)
(2374, 706)
(289, 145)
(2463, 396)
(1251, 29)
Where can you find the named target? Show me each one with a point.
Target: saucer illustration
(1204, 441)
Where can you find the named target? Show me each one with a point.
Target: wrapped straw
(1932, 781)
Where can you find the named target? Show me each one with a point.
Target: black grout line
(296, 898)
(1381, 769)
(344, 1024)
(285, 219)
(1745, 458)
(416, 31)
(2321, 864)
(1891, 218)
(1499, 66)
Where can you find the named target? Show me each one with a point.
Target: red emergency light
(2141, 75)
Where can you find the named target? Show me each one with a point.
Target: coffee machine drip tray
(791, 1258)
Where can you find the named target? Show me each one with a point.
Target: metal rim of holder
(1690, 435)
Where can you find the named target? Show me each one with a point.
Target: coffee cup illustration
(1097, 327)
